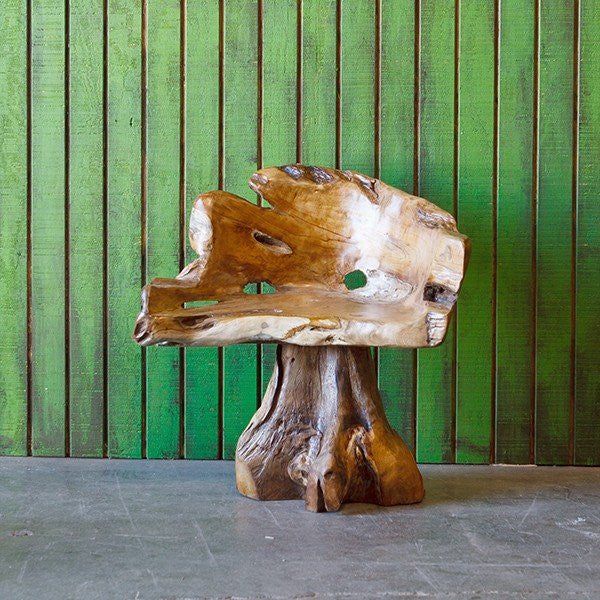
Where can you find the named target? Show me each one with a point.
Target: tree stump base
(321, 435)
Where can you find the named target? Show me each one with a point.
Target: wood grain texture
(435, 371)
(325, 439)
(86, 235)
(587, 419)
(475, 207)
(515, 293)
(48, 390)
(240, 145)
(554, 215)
(397, 366)
(321, 433)
(13, 228)
(325, 226)
(163, 243)
(124, 226)
(201, 172)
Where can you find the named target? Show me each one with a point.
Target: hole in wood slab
(199, 303)
(355, 279)
(433, 292)
(199, 322)
(265, 287)
(271, 243)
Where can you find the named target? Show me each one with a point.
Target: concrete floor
(96, 529)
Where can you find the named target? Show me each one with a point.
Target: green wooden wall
(114, 114)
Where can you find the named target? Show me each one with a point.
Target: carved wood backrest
(321, 225)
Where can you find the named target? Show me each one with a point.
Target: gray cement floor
(147, 529)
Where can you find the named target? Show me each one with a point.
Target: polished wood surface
(354, 263)
(321, 435)
(325, 225)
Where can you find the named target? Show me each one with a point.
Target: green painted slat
(202, 174)
(435, 365)
(240, 377)
(514, 376)
(124, 227)
(587, 420)
(475, 207)
(318, 82)
(554, 218)
(13, 229)
(358, 88)
(396, 366)
(357, 119)
(279, 110)
(163, 242)
(48, 227)
(85, 229)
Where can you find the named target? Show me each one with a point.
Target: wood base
(321, 434)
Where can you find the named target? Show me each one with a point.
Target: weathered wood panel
(357, 69)
(435, 370)
(516, 279)
(554, 234)
(163, 407)
(587, 351)
(319, 67)
(475, 212)
(86, 234)
(397, 371)
(279, 37)
(202, 426)
(488, 108)
(240, 160)
(48, 289)
(126, 406)
(13, 228)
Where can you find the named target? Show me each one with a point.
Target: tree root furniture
(321, 433)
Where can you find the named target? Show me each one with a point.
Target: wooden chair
(321, 433)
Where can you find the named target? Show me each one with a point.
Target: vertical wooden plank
(240, 108)
(279, 55)
(553, 363)
(396, 366)
(515, 332)
(163, 246)
(587, 420)
(318, 82)
(475, 207)
(202, 174)
(86, 231)
(13, 228)
(124, 227)
(436, 365)
(357, 102)
(358, 86)
(48, 227)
